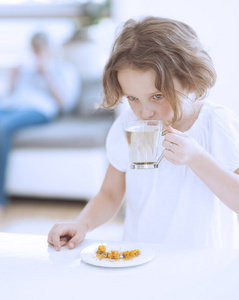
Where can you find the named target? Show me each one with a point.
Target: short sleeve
(116, 144)
(225, 137)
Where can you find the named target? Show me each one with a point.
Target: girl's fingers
(65, 238)
(175, 131)
(70, 233)
(169, 146)
(55, 241)
(57, 234)
(175, 139)
(63, 243)
(75, 240)
(169, 155)
(174, 135)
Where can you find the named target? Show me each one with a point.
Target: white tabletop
(32, 270)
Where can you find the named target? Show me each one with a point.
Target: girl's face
(145, 100)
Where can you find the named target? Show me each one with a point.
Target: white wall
(15, 35)
(217, 25)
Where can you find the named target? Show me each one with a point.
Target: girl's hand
(180, 149)
(72, 233)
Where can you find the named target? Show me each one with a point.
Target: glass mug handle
(161, 156)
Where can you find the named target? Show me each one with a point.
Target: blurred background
(53, 170)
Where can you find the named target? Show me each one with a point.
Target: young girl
(192, 199)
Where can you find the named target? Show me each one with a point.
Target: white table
(32, 270)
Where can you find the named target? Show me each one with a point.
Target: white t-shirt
(171, 204)
(32, 93)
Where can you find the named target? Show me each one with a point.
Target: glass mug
(143, 139)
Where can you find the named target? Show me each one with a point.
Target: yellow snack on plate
(116, 255)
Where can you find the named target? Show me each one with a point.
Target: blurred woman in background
(38, 93)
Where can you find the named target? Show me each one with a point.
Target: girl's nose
(147, 112)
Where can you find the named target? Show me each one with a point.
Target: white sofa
(65, 159)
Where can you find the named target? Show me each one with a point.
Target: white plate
(88, 255)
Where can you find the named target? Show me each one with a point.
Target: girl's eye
(158, 96)
(131, 98)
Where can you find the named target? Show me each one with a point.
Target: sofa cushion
(66, 132)
(90, 99)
